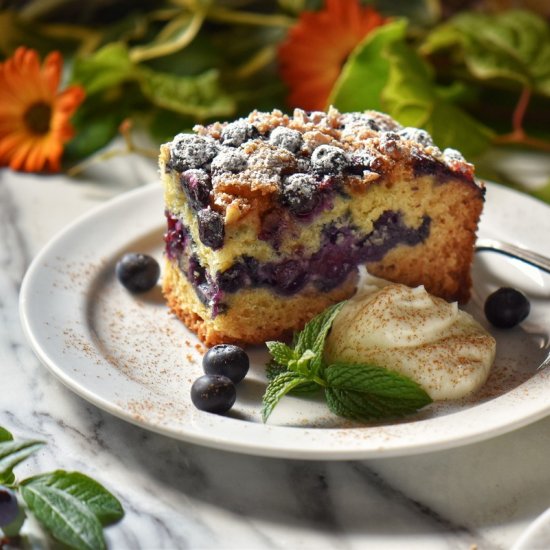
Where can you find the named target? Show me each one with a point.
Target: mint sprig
(357, 391)
(71, 506)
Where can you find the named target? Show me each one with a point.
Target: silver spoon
(492, 245)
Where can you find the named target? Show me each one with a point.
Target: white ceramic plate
(536, 536)
(129, 356)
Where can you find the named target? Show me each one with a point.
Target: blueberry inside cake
(270, 216)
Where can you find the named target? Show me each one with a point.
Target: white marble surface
(178, 495)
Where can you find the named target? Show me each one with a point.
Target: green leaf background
(513, 45)
(167, 66)
(385, 73)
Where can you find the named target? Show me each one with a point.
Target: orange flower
(317, 47)
(34, 116)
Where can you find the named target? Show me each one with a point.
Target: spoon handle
(542, 262)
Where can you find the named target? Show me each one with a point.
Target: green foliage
(72, 507)
(199, 96)
(117, 87)
(100, 502)
(513, 46)
(412, 97)
(367, 70)
(5, 435)
(110, 66)
(278, 388)
(14, 452)
(65, 516)
(168, 65)
(385, 73)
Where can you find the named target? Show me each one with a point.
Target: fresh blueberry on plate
(137, 272)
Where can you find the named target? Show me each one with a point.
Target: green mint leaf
(307, 387)
(14, 452)
(513, 45)
(274, 369)
(89, 492)
(313, 337)
(303, 364)
(367, 392)
(68, 519)
(5, 435)
(281, 353)
(278, 388)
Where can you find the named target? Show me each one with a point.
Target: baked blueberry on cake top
(270, 216)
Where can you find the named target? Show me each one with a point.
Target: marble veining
(178, 496)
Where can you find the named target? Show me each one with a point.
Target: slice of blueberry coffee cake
(270, 216)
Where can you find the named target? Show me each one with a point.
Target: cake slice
(270, 216)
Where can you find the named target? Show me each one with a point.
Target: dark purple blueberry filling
(234, 278)
(389, 231)
(211, 228)
(343, 248)
(208, 292)
(273, 226)
(426, 165)
(287, 277)
(176, 237)
(196, 185)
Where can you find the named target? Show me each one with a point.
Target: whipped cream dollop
(407, 330)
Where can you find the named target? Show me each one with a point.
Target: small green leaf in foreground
(5, 435)
(88, 491)
(71, 506)
(14, 452)
(68, 519)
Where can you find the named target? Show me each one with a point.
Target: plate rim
(293, 452)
